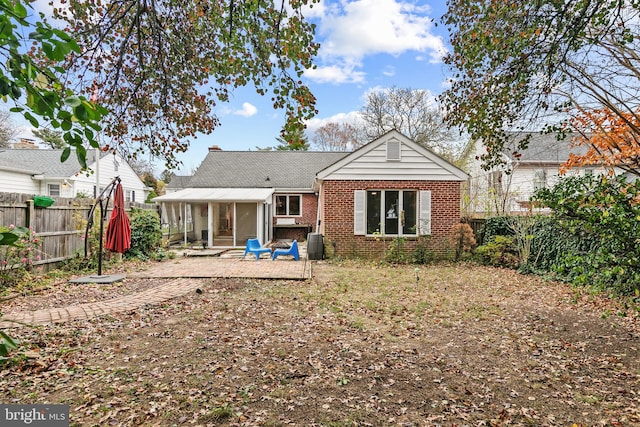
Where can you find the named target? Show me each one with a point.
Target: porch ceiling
(218, 195)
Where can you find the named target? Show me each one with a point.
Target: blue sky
(366, 45)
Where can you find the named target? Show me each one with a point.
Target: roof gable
(381, 160)
(542, 148)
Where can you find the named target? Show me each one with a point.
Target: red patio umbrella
(118, 236)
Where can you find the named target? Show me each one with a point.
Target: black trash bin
(315, 246)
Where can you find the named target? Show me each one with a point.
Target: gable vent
(393, 150)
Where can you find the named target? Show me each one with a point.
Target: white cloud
(336, 74)
(369, 27)
(389, 71)
(247, 110)
(351, 117)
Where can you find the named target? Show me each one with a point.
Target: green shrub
(395, 252)
(146, 236)
(421, 254)
(152, 194)
(19, 249)
(495, 226)
(595, 239)
(500, 251)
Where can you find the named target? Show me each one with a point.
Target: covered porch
(218, 217)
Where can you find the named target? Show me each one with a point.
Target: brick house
(390, 187)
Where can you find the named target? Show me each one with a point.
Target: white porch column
(210, 224)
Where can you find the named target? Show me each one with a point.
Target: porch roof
(218, 195)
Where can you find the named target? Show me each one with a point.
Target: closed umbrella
(118, 236)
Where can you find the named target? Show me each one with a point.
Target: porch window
(288, 205)
(392, 212)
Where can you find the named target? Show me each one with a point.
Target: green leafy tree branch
(37, 91)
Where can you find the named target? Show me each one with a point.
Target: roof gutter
(18, 170)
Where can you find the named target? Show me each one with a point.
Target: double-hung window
(539, 179)
(392, 212)
(54, 189)
(288, 205)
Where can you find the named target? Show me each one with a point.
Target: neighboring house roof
(42, 162)
(543, 148)
(178, 182)
(262, 169)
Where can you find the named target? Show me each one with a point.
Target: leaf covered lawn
(359, 345)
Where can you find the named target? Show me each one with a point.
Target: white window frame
(51, 191)
(288, 204)
(423, 212)
(540, 179)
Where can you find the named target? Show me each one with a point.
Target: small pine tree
(462, 239)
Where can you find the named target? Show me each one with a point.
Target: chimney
(215, 148)
(25, 144)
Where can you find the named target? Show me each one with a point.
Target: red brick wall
(338, 216)
(309, 216)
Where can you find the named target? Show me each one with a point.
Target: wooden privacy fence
(476, 225)
(60, 228)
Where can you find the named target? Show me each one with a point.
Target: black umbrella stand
(103, 202)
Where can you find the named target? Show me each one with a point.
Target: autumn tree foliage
(160, 67)
(611, 140)
(537, 65)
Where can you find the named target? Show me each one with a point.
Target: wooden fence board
(60, 227)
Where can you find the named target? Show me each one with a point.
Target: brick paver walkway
(183, 269)
(156, 295)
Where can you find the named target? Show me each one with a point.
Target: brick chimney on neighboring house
(215, 148)
(25, 144)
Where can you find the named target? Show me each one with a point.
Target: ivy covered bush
(593, 237)
(146, 236)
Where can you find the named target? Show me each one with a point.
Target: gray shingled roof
(179, 182)
(544, 148)
(262, 169)
(46, 162)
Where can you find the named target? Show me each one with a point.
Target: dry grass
(359, 345)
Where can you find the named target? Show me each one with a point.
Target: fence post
(30, 213)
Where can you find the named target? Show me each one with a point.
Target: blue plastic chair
(255, 247)
(293, 251)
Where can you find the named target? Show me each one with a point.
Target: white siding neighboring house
(508, 190)
(40, 172)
